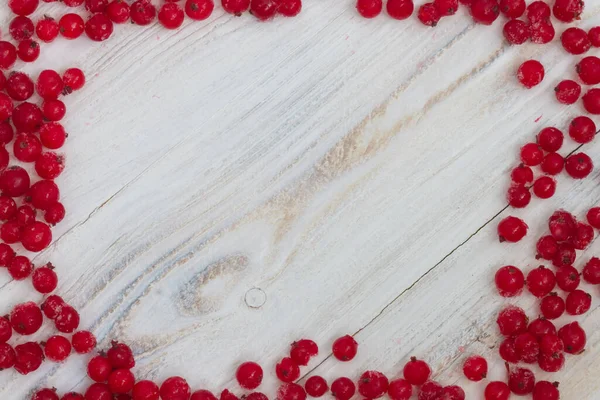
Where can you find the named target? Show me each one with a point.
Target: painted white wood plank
(328, 160)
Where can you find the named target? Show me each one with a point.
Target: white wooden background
(350, 171)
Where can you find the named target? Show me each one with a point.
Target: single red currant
(582, 129)
(52, 306)
(551, 344)
(485, 11)
(343, 388)
(573, 337)
(316, 386)
(512, 229)
(527, 347)
(175, 388)
(428, 14)
(5, 330)
(49, 165)
(430, 390)
(567, 278)
(291, 391)
(594, 35)
(6, 110)
(47, 29)
(516, 31)
(475, 368)
(27, 147)
(7, 356)
(99, 27)
(36, 236)
(544, 187)
(28, 50)
(20, 267)
(588, 70)
(45, 279)
(540, 281)
(366, 8)
(522, 175)
(71, 26)
(512, 321)
(583, 236)
(345, 348)
(249, 375)
(21, 28)
(540, 327)
(579, 165)
(563, 226)
(98, 391)
(148, 390)
(120, 356)
(19, 86)
(497, 390)
(509, 281)
(29, 357)
(567, 91)
(591, 271)
(446, 7)
(591, 101)
(530, 74)
(287, 370)
(57, 348)
(53, 135)
(199, 10)
(545, 390)
(99, 369)
(521, 381)
(8, 54)
(567, 10)
(578, 302)
(8, 208)
(27, 117)
(400, 389)
(373, 384)
(400, 9)
(26, 318)
(83, 342)
(45, 394)
(122, 381)
(532, 154)
(553, 163)
(512, 8)
(54, 110)
(416, 372)
(67, 319)
(74, 79)
(575, 40)
(142, 12)
(552, 306)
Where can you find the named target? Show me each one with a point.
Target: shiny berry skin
(289, 8)
(527, 347)
(289, 391)
(531, 154)
(54, 213)
(567, 91)
(583, 236)
(594, 35)
(5, 330)
(8, 208)
(562, 225)
(19, 86)
(96, 6)
(287, 370)
(485, 11)
(20, 267)
(8, 54)
(29, 357)
(497, 390)
(6, 255)
(366, 8)
(43, 193)
(98, 391)
(430, 390)
(540, 327)
(199, 10)
(7, 356)
(591, 271)
(579, 165)
(552, 306)
(118, 11)
(316, 386)
(142, 12)
(23, 7)
(249, 375)
(57, 348)
(67, 319)
(99, 27)
(416, 372)
(518, 196)
(171, 15)
(544, 187)
(567, 10)
(121, 381)
(49, 84)
(28, 50)
(74, 79)
(264, 10)
(49, 165)
(45, 394)
(582, 129)
(567, 278)
(343, 388)
(516, 31)
(575, 40)
(175, 388)
(512, 321)
(475, 368)
(428, 14)
(6, 130)
(47, 29)
(36, 236)
(551, 362)
(551, 344)
(542, 32)
(26, 318)
(530, 74)
(545, 390)
(578, 302)
(53, 135)
(552, 164)
(27, 147)
(573, 337)
(121, 356)
(71, 26)
(10, 232)
(145, 390)
(540, 281)
(400, 9)
(522, 175)
(373, 384)
(511, 229)
(345, 348)
(588, 70)
(73, 3)
(591, 101)
(593, 217)
(400, 389)
(53, 110)
(27, 117)
(512, 8)
(25, 215)
(21, 28)
(508, 351)
(509, 281)
(44, 279)
(83, 342)
(521, 381)
(6, 110)
(52, 306)
(235, 7)
(99, 369)
(446, 7)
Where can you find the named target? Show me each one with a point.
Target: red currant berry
(373, 384)
(20, 268)
(416, 372)
(29, 357)
(96, 6)
(44, 279)
(518, 196)
(10, 232)
(522, 175)
(591, 101)
(366, 8)
(551, 344)
(21, 28)
(53, 110)
(582, 129)
(428, 14)
(553, 163)
(485, 11)
(594, 35)
(6, 110)
(567, 10)
(545, 390)
(171, 15)
(497, 390)
(508, 351)
(147, 390)
(562, 225)
(49, 165)
(25, 215)
(516, 31)
(47, 29)
(583, 236)
(72, 396)
(8, 208)
(263, 9)
(27, 147)
(199, 10)
(71, 26)
(5, 330)
(99, 369)
(540, 327)
(36, 236)
(249, 375)
(49, 84)
(446, 7)
(73, 3)
(118, 11)
(7, 356)
(400, 9)
(19, 86)
(53, 135)
(251, 396)
(552, 306)
(345, 348)
(121, 381)
(83, 342)
(27, 117)
(542, 32)
(235, 7)
(579, 165)
(316, 386)
(98, 391)
(52, 306)
(578, 302)
(593, 217)
(74, 79)
(175, 388)
(142, 12)
(567, 278)
(99, 27)
(287, 370)
(290, 391)
(567, 91)
(400, 389)
(512, 321)
(575, 40)
(521, 381)
(573, 337)
(512, 8)
(67, 319)
(343, 388)
(8, 54)
(565, 256)
(289, 8)
(540, 281)
(527, 347)
(45, 394)
(6, 255)
(28, 50)
(475, 368)
(26, 318)
(23, 7)
(430, 390)
(588, 70)
(54, 213)
(544, 187)
(512, 229)
(591, 271)
(531, 154)
(530, 73)
(57, 348)
(509, 281)
(120, 356)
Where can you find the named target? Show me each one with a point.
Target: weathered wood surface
(236, 185)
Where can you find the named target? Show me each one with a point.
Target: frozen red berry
(171, 15)
(416, 372)
(544, 187)
(235, 7)
(509, 281)
(8, 54)
(120, 356)
(316, 386)
(52, 306)
(545, 390)
(582, 129)
(287, 370)
(522, 175)
(518, 196)
(551, 344)
(83, 342)
(400, 9)
(475, 368)
(345, 348)
(147, 390)
(591, 101)
(175, 388)
(567, 91)
(446, 7)
(552, 164)
(23, 7)
(578, 302)
(485, 11)
(29, 357)
(579, 165)
(521, 381)
(512, 321)
(551, 362)
(575, 40)
(497, 390)
(552, 306)
(122, 381)
(19, 86)
(508, 351)
(512, 8)
(562, 225)
(293, 391)
(530, 73)
(512, 229)
(7, 356)
(540, 327)
(400, 389)
(588, 70)
(594, 35)
(540, 281)
(532, 154)
(99, 368)
(57, 348)
(200, 10)
(71, 26)
(21, 28)
(26, 318)
(343, 388)
(428, 14)
(516, 31)
(249, 375)
(99, 27)
(542, 32)
(369, 8)
(45, 394)
(67, 319)
(573, 337)
(567, 278)
(430, 390)
(527, 347)
(567, 10)
(45, 279)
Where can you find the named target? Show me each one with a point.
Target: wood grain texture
(347, 173)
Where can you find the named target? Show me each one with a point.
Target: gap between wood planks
(404, 291)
